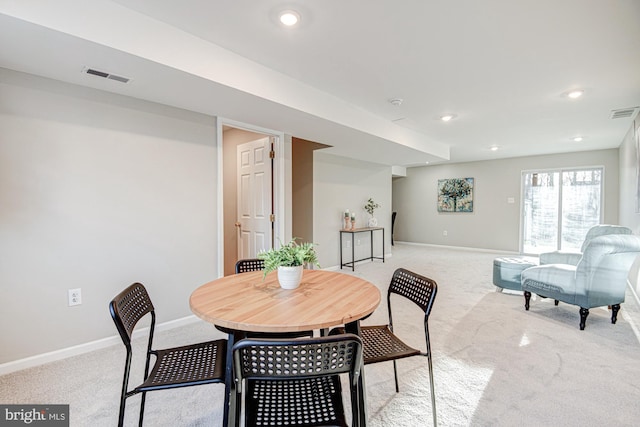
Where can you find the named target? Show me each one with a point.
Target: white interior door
(255, 204)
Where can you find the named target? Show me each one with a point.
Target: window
(559, 207)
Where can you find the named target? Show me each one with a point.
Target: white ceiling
(501, 66)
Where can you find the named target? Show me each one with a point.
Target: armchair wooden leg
(527, 298)
(614, 313)
(584, 312)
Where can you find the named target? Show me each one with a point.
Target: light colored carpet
(495, 364)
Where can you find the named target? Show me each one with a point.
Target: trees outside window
(559, 207)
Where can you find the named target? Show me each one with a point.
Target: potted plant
(289, 260)
(370, 207)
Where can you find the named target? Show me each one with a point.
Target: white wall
(629, 158)
(494, 223)
(97, 191)
(341, 183)
(628, 180)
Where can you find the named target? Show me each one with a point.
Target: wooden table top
(247, 302)
(358, 230)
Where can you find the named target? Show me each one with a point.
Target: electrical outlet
(358, 242)
(348, 244)
(444, 233)
(75, 297)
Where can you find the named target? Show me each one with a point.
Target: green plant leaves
(371, 206)
(289, 255)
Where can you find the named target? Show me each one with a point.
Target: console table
(353, 232)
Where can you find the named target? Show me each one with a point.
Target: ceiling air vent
(106, 75)
(624, 113)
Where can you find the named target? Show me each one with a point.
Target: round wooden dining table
(251, 302)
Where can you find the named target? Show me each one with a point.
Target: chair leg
(556, 302)
(238, 406)
(355, 402)
(433, 390)
(614, 313)
(584, 312)
(433, 395)
(395, 375)
(121, 414)
(144, 397)
(125, 383)
(527, 298)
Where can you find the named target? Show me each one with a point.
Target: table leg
(341, 262)
(354, 328)
(353, 254)
(371, 241)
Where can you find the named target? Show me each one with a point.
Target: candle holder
(347, 222)
(353, 223)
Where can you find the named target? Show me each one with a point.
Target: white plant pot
(290, 277)
(373, 222)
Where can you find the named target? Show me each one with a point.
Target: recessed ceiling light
(396, 101)
(494, 148)
(447, 117)
(575, 94)
(289, 18)
(577, 138)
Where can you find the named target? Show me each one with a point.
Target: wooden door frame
(281, 176)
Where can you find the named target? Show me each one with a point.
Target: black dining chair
(249, 264)
(381, 344)
(190, 365)
(297, 382)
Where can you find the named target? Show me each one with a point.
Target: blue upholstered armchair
(599, 279)
(572, 257)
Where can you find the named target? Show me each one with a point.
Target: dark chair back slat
(282, 358)
(128, 307)
(418, 289)
(296, 382)
(250, 264)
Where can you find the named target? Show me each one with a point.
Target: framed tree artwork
(455, 195)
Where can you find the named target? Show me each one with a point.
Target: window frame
(560, 171)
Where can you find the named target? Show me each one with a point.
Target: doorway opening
(291, 191)
(251, 188)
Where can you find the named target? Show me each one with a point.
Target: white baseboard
(460, 248)
(52, 356)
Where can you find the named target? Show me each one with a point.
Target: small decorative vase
(290, 277)
(373, 222)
